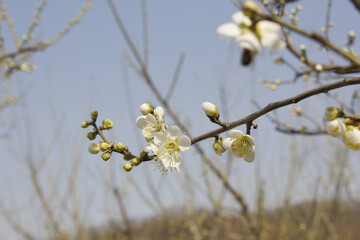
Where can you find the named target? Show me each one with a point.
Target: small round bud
(104, 146)
(302, 47)
(105, 156)
(218, 148)
(128, 167)
(319, 67)
(351, 37)
(298, 7)
(94, 148)
(107, 124)
(91, 136)
(136, 161)
(146, 108)
(94, 115)
(331, 113)
(119, 147)
(210, 110)
(279, 60)
(85, 124)
(278, 82)
(251, 5)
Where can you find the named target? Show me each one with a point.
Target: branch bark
(275, 105)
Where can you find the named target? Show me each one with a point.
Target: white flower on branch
(250, 36)
(151, 123)
(167, 145)
(335, 128)
(351, 137)
(241, 145)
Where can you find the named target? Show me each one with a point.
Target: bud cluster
(343, 126)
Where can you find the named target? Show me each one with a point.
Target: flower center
(172, 146)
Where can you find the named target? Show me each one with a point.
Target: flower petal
(235, 133)
(228, 30)
(249, 41)
(249, 139)
(267, 26)
(160, 113)
(174, 131)
(140, 122)
(250, 156)
(227, 142)
(240, 19)
(184, 143)
(272, 41)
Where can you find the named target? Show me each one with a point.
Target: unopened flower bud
(119, 147)
(335, 128)
(136, 161)
(128, 166)
(94, 148)
(91, 136)
(331, 113)
(127, 158)
(146, 108)
(105, 156)
(85, 124)
(351, 37)
(319, 67)
(351, 137)
(104, 146)
(107, 124)
(94, 115)
(218, 148)
(210, 110)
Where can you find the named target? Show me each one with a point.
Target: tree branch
(275, 105)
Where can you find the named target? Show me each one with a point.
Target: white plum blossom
(351, 138)
(241, 145)
(151, 123)
(210, 109)
(335, 128)
(167, 145)
(265, 33)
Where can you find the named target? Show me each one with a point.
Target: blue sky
(86, 70)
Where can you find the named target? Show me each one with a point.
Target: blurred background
(298, 187)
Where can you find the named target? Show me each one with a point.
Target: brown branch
(356, 4)
(275, 105)
(36, 47)
(315, 36)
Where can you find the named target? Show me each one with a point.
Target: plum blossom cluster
(344, 127)
(251, 33)
(239, 144)
(164, 141)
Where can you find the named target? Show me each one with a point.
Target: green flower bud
(94, 115)
(91, 136)
(85, 124)
(128, 166)
(107, 124)
(218, 148)
(127, 158)
(119, 147)
(136, 161)
(105, 156)
(94, 148)
(331, 113)
(104, 146)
